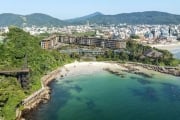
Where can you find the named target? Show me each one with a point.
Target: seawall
(38, 97)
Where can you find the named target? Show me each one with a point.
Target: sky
(66, 9)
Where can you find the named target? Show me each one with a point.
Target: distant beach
(167, 46)
(174, 48)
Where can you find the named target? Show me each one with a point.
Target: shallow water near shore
(105, 96)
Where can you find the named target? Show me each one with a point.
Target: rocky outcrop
(30, 103)
(51, 76)
(42, 95)
(115, 72)
(163, 69)
(134, 70)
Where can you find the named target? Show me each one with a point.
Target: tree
(134, 37)
(123, 56)
(40, 61)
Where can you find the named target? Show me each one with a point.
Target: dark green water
(104, 96)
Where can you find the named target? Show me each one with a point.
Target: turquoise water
(104, 96)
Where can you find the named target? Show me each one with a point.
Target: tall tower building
(169, 31)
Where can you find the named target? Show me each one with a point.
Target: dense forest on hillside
(147, 17)
(18, 45)
(37, 19)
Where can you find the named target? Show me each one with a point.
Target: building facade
(50, 42)
(97, 42)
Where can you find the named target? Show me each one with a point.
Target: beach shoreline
(78, 68)
(170, 46)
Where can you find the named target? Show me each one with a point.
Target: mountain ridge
(84, 17)
(147, 17)
(40, 19)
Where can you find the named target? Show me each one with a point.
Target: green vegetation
(134, 37)
(43, 35)
(37, 19)
(11, 94)
(19, 44)
(135, 53)
(148, 17)
(84, 34)
(8, 19)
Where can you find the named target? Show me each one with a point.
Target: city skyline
(71, 9)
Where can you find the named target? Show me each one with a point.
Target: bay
(105, 96)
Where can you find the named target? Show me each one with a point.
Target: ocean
(105, 96)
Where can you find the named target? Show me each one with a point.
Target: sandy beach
(168, 46)
(77, 68)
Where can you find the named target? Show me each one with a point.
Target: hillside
(43, 20)
(37, 19)
(84, 18)
(149, 17)
(8, 19)
(18, 45)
